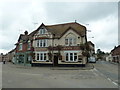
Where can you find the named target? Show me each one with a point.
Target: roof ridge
(64, 24)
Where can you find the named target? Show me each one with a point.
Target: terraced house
(60, 44)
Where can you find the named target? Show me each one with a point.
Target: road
(14, 76)
(108, 69)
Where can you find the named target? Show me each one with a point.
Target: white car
(92, 60)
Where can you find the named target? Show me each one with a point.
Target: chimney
(26, 32)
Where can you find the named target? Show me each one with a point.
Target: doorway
(55, 61)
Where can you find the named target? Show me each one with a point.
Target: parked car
(92, 60)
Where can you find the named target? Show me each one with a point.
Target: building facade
(115, 53)
(53, 44)
(1, 57)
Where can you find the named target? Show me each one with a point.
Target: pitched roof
(23, 37)
(60, 29)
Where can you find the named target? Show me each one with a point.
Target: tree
(100, 54)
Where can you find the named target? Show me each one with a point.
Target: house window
(66, 41)
(41, 56)
(37, 43)
(70, 41)
(42, 43)
(42, 31)
(37, 56)
(20, 46)
(71, 57)
(66, 56)
(29, 45)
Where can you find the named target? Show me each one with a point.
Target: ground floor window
(71, 57)
(41, 56)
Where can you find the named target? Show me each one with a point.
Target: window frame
(70, 56)
(42, 43)
(70, 41)
(42, 56)
(42, 31)
(20, 46)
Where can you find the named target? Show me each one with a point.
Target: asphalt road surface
(14, 76)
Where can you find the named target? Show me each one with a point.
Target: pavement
(88, 66)
(17, 76)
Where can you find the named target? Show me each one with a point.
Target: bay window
(41, 56)
(71, 57)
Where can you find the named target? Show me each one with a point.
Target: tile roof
(60, 29)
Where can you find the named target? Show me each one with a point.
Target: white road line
(109, 79)
(95, 74)
(106, 77)
(115, 83)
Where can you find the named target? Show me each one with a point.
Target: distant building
(1, 57)
(11, 55)
(91, 48)
(116, 54)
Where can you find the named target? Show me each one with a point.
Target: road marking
(106, 77)
(115, 83)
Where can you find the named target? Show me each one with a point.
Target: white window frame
(42, 31)
(40, 43)
(44, 56)
(73, 56)
(73, 40)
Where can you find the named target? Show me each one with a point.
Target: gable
(70, 33)
(60, 29)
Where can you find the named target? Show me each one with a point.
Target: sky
(100, 19)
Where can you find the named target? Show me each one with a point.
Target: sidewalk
(89, 66)
(114, 63)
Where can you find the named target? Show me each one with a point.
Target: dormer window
(42, 31)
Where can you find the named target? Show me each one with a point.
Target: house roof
(89, 42)
(60, 29)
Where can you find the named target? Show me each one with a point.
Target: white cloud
(18, 16)
(105, 32)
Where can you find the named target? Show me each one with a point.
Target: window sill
(71, 61)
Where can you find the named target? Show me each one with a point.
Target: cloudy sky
(16, 16)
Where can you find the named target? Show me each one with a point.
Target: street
(104, 75)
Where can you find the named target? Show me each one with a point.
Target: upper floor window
(70, 41)
(20, 46)
(42, 31)
(41, 43)
(29, 45)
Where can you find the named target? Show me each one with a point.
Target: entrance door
(55, 61)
